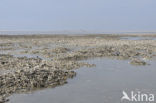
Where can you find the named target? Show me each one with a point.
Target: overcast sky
(89, 15)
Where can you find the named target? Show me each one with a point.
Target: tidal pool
(101, 84)
(137, 38)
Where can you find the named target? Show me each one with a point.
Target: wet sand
(46, 61)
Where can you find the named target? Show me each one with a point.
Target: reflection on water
(101, 84)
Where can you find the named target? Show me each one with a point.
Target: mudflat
(33, 62)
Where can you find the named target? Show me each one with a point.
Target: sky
(78, 15)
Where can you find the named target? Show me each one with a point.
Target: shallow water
(137, 38)
(101, 84)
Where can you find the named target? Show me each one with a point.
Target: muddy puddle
(101, 84)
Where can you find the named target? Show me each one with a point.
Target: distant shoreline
(67, 33)
(76, 35)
